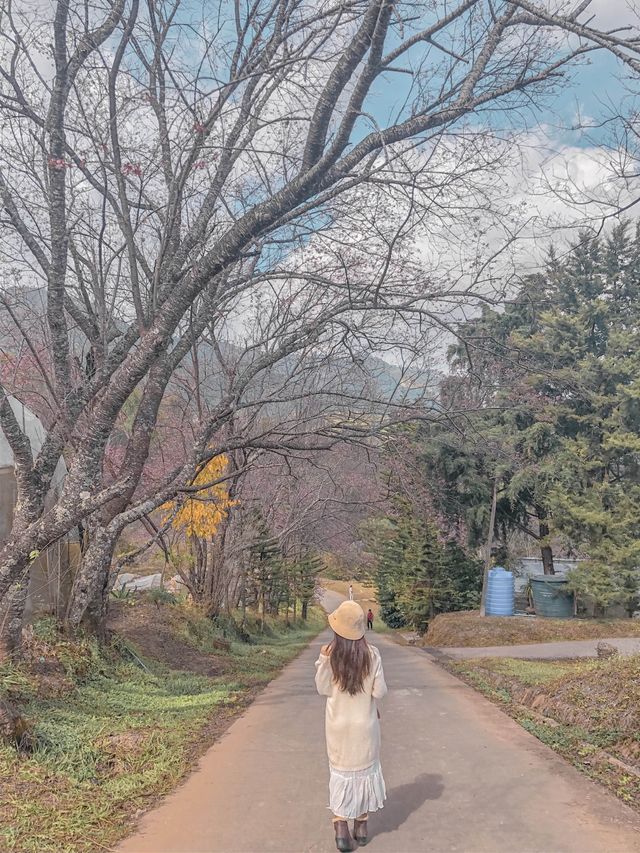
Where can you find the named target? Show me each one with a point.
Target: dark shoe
(360, 831)
(344, 842)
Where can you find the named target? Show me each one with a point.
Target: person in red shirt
(370, 619)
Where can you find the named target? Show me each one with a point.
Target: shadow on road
(406, 799)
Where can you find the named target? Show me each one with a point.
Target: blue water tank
(500, 593)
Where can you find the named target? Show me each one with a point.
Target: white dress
(356, 784)
(355, 793)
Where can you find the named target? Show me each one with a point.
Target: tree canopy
(555, 375)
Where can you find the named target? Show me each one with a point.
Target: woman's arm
(379, 688)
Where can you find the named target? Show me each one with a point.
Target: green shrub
(124, 594)
(162, 596)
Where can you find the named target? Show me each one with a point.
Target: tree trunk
(487, 561)
(15, 615)
(95, 617)
(547, 560)
(14, 562)
(218, 580)
(546, 549)
(211, 581)
(243, 598)
(91, 586)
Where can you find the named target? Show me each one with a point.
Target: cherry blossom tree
(162, 173)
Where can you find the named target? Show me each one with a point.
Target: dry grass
(469, 629)
(588, 710)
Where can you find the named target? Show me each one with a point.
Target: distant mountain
(369, 375)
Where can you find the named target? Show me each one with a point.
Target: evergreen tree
(591, 340)
(265, 569)
(425, 585)
(306, 574)
(560, 369)
(465, 578)
(417, 574)
(389, 542)
(503, 437)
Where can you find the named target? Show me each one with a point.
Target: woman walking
(349, 672)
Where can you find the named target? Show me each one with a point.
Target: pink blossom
(58, 163)
(132, 169)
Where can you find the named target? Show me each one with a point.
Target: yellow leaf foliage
(201, 514)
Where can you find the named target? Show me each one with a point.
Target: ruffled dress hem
(355, 792)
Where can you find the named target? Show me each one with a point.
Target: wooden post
(487, 560)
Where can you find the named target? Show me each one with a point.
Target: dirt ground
(152, 630)
(468, 628)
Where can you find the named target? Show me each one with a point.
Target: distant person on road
(369, 619)
(349, 672)
(350, 592)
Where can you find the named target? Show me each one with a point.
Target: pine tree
(265, 569)
(426, 585)
(417, 574)
(592, 340)
(561, 366)
(307, 570)
(389, 542)
(464, 573)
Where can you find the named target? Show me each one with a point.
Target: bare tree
(157, 172)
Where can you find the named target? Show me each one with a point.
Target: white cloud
(609, 14)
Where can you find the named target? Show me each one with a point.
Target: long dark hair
(350, 663)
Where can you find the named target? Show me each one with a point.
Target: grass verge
(113, 729)
(586, 710)
(468, 629)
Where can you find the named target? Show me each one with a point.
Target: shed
(51, 573)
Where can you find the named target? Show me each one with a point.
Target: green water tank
(552, 597)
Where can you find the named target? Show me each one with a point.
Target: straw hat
(348, 620)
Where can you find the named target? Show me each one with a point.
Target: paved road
(461, 777)
(541, 651)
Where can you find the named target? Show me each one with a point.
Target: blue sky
(595, 87)
(593, 91)
(596, 90)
